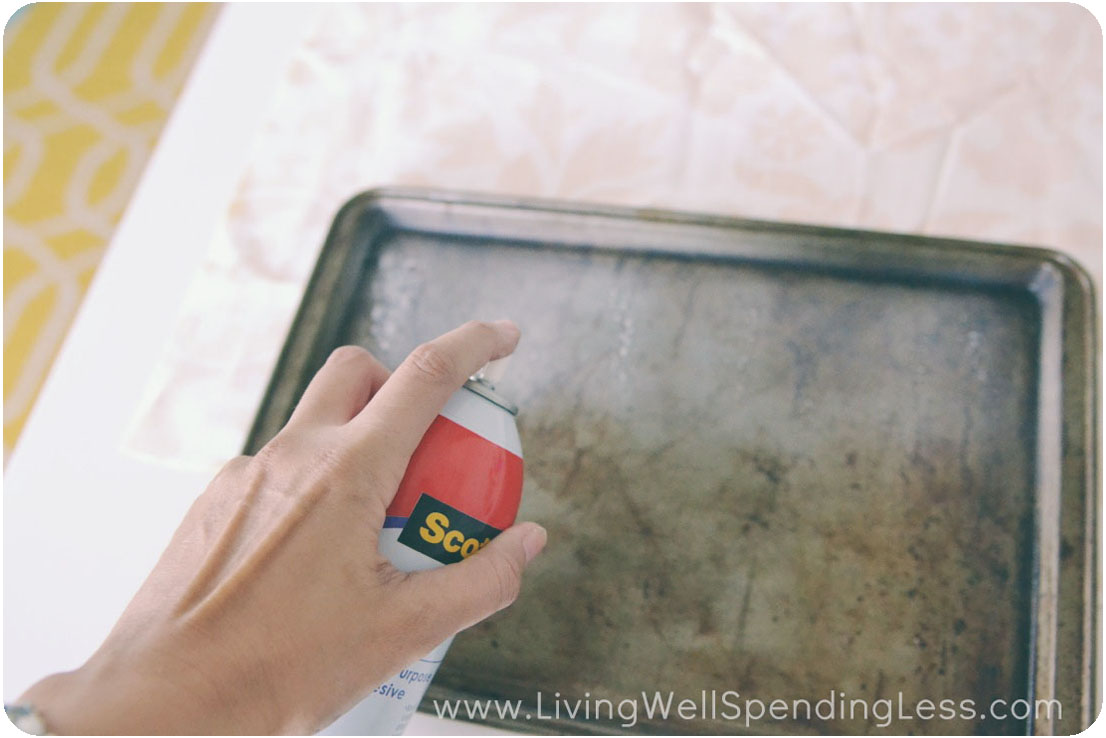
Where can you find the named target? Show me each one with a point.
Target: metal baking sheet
(781, 460)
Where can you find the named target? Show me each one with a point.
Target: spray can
(461, 489)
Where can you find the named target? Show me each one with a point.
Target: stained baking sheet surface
(787, 463)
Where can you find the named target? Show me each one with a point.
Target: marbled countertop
(978, 121)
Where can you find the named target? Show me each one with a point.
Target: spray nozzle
(492, 372)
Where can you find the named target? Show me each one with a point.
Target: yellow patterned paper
(87, 89)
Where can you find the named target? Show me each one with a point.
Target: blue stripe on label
(393, 521)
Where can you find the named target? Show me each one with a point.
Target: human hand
(271, 610)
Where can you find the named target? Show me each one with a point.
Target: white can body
(387, 710)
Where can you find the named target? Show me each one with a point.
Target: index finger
(407, 403)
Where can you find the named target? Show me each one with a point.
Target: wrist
(116, 694)
(93, 700)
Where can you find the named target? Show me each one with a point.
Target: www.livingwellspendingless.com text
(730, 706)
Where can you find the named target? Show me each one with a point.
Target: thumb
(465, 593)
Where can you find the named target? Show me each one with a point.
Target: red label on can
(465, 471)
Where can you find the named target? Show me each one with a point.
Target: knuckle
(347, 354)
(506, 580)
(335, 461)
(433, 363)
(235, 466)
(378, 469)
(274, 452)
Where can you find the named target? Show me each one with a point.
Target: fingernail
(533, 541)
(506, 324)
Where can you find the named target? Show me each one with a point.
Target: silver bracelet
(27, 719)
